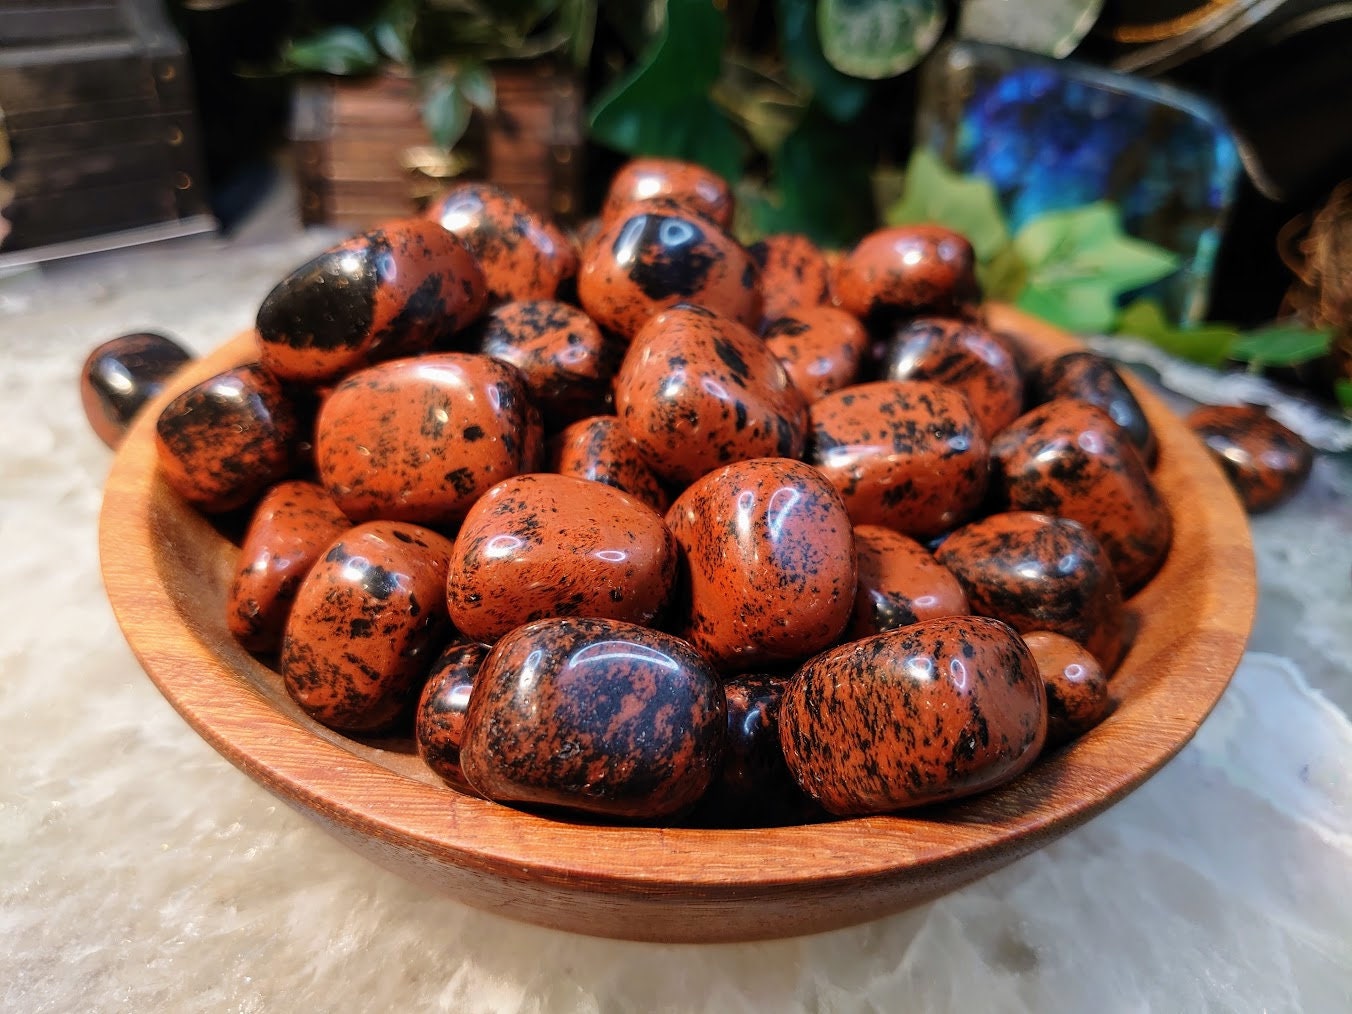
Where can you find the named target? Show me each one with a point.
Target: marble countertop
(143, 872)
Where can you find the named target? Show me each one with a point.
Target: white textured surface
(141, 872)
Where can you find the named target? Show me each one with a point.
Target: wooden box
(359, 145)
(98, 116)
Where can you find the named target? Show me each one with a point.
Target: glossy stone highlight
(292, 526)
(382, 294)
(601, 450)
(595, 715)
(794, 274)
(523, 256)
(1076, 685)
(697, 390)
(439, 722)
(907, 270)
(1093, 378)
(1037, 572)
(365, 626)
(544, 545)
(966, 357)
(821, 347)
(645, 261)
(422, 439)
(755, 786)
(121, 375)
(1069, 458)
(910, 456)
(1265, 462)
(686, 183)
(222, 442)
(934, 711)
(568, 364)
(770, 563)
(900, 583)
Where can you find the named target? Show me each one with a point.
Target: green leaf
(1087, 307)
(577, 18)
(662, 106)
(878, 38)
(445, 110)
(1281, 345)
(476, 84)
(1143, 318)
(966, 204)
(337, 50)
(822, 179)
(1079, 262)
(1004, 276)
(1087, 244)
(1342, 389)
(840, 96)
(393, 30)
(1208, 344)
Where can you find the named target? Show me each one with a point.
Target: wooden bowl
(167, 571)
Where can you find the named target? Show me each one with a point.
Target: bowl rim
(1197, 651)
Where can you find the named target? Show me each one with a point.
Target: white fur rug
(141, 872)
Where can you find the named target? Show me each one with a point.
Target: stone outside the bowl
(1052, 135)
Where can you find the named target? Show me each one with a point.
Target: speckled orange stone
(1037, 572)
(964, 356)
(684, 182)
(1068, 458)
(595, 715)
(754, 787)
(697, 390)
(899, 583)
(907, 270)
(222, 442)
(794, 274)
(292, 526)
(439, 722)
(366, 624)
(1091, 377)
(930, 712)
(121, 375)
(1265, 462)
(567, 362)
(544, 545)
(910, 456)
(770, 562)
(383, 294)
(600, 449)
(646, 260)
(523, 256)
(821, 347)
(422, 439)
(1076, 686)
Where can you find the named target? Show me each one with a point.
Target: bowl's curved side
(166, 570)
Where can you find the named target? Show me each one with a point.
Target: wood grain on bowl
(168, 571)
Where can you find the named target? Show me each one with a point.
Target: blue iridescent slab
(1058, 134)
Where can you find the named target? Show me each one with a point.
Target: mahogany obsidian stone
(439, 723)
(646, 260)
(1037, 572)
(293, 525)
(1264, 461)
(930, 712)
(1090, 377)
(365, 624)
(1076, 685)
(595, 715)
(224, 441)
(1068, 458)
(123, 374)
